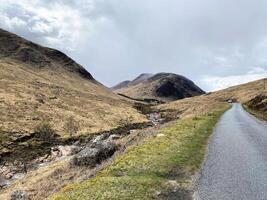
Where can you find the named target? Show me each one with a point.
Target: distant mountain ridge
(161, 86)
(141, 78)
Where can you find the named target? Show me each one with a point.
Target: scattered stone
(132, 131)
(158, 193)
(160, 135)
(99, 138)
(114, 137)
(43, 159)
(36, 118)
(3, 182)
(68, 150)
(40, 100)
(64, 150)
(94, 154)
(7, 171)
(19, 195)
(174, 185)
(53, 97)
(155, 118)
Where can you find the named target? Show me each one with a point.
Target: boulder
(68, 150)
(94, 154)
(114, 137)
(99, 138)
(19, 195)
(64, 150)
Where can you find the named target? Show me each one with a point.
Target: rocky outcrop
(19, 195)
(258, 103)
(61, 150)
(94, 154)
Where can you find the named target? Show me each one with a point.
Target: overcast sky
(216, 43)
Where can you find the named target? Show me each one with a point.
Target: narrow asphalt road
(236, 164)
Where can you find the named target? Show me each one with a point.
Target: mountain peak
(161, 86)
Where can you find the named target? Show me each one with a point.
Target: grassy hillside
(202, 104)
(29, 96)
(42, 89)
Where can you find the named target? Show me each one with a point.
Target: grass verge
(160, 167)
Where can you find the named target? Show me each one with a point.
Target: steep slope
(162, 86)
(17, 48)
(41, 85)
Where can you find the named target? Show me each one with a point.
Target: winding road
(236, 164)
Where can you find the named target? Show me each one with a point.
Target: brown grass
(29, 95)
(202, 104)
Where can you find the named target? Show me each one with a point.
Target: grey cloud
(118, 39)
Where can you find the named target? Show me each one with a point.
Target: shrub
(71, 126)
(45, 132)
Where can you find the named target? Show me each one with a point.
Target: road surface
(236, 164)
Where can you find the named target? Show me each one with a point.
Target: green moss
(147, 168)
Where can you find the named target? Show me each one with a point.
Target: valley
(64, 135)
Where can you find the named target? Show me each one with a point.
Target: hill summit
(17, 48)
(161, 86)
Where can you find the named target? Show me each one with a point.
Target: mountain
(120, 85)
(40, 85)
(252, 95)
(141, 78)
(19, 49)
(162, 86)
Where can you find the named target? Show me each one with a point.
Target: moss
(145, 169)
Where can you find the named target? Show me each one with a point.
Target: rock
(68, 150)
(114, 137)
(9, 175)
(43, 159)
(155, 118)
(64, 150)
(133, 131)
(40, 100)
(94, 154)
(99, 138)
(53, 97)
(55, 152)
(160, 135)
(36, 118)
(3, 182)
(19, 195)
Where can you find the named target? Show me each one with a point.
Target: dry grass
(29, 95)
(41, 183)
(202, 104)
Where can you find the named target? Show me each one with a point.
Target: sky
(215, 43)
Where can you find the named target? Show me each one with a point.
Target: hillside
(39, 85)
(162, 86)
(244, 94)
